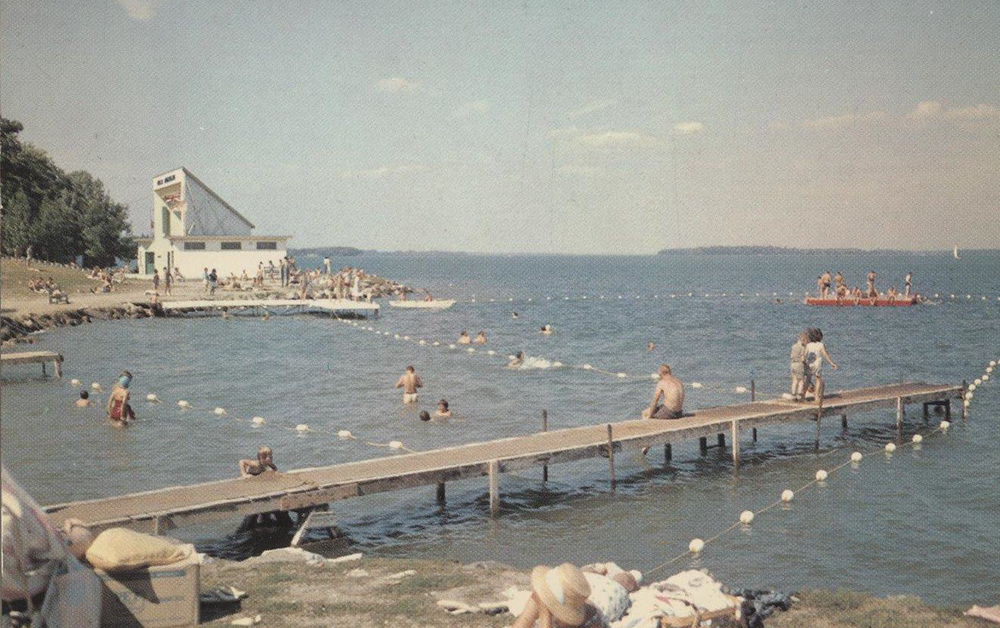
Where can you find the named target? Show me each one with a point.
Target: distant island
(782, 250)
(338, 251)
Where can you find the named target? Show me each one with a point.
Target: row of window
(232, 246)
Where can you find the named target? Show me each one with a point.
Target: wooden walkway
(34, 357)
(163, 509)
(273, 307)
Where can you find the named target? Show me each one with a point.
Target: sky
(531, 127)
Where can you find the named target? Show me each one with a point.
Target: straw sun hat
(563, 590)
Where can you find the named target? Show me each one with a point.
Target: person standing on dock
(326, 264)
(816, 353)
(284, 271)
(204, 279)
(168, 280)
(409, 382)
(156, 281)
(798, 366)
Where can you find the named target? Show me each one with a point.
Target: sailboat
(954, 253)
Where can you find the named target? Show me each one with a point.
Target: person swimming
(264, 461)
(513, 314)
(516, 361)
(547, 329)
(84, 400)
(480, 338)
(119, 410)
(463, 338)
(424, 415)
(409, 382)
(443, 411)
(650, 346)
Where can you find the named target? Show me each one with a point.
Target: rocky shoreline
(18, 328)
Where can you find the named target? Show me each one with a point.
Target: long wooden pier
(271, 307)
(34, 357)
(163, 509)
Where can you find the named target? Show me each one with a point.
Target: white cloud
(470, 108)
(689, 128)
(581, 171)
(142, 10)
(593, 106)
(925, 110)
(565, 133)
(397, 85)
(848, 119)
(611, 139)
(977, 112)
(381, 172)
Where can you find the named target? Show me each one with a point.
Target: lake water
(924, 521)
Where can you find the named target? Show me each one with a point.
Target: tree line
(60, 216)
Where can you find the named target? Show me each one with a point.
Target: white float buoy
(890, 447)
(257, 420)
(344, 434)
(787, 396)
(821, 475)
(557, 364)
(741, 389)
(696, 545)
(587, 367)
(302, 427)
(395, 444)
(945, 425)
(746, 517)
(986, 378)
(695, 384)
(219, 411)
(396, 336)
(654, 376)
(471, 349)
(622, 375)
(989, 369)
(968, 396)
(74, 382)
(436, 343)
(96, 386)
(151, 397)
(917, 438)
(856, 456)
(993, 363)
(787, 495)
(491, 352)
(406, 337)
(422, 342)
(183, 404)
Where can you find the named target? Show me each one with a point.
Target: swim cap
(124, 380)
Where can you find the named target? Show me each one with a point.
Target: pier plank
(303, 488)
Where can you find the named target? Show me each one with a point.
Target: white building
(194, 229)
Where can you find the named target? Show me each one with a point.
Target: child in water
(443, 412)
(84, 400)
(264, 461)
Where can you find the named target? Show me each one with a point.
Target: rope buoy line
(697, 545)
(698, 294)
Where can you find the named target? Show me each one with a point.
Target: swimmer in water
(547, 330)
(424, 415)
(463, 338)
(443, 411)
(650, 346)
(409, 382)
(513, 314)
(480, 338)
(516, 361)
(84, 400)
(119, 410)
(264, 461)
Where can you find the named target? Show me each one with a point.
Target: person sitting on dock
(816, 353)
(463, 338)
(119, 410)
(409, 382)
(671, 390)
(443, 411)
(891, 295)
(480, 338)
(264, 461)
(84, 400)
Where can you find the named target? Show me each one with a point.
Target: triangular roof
(189, 175)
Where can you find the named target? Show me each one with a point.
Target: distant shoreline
(347, 251)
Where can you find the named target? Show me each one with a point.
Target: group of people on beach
(834, 286)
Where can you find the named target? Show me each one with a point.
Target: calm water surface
(923, 522)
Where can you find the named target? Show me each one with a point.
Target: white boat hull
(442, 304)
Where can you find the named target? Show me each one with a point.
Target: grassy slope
(14, 276)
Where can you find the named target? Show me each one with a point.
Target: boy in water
(264, 461)
(84, 400)
(480, 338)
(119, 410)
(409, 382)
(443, 411)
(463, 338)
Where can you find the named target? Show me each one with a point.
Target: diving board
(163, 509)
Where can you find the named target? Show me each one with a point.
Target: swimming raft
(441, 304)
(851, 301)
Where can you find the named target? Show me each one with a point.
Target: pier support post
(703, 445)
(734, 436)
(926, 415)
(494, 467)
(899, 417)
(440, 492)
(721, 440)
(44, 374)
(611, 457)
(753, 397)
(947, 409)
(57, 365)
(819, 419)
(668, 453)
(843, 421)
(545, 428)
(965, 389)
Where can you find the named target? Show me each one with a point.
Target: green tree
(105, 231)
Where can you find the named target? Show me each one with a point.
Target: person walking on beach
(204, 280)
(264, 461)
(156, 281)
(119, 410)
(671, 391)
(798, 366)
(815, 354)
(409, 382)
(168, 280)
(213, 282)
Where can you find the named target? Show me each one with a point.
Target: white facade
(194, 229)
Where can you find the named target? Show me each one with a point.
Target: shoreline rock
(17, 329)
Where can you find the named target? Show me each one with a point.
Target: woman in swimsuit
(119, 410)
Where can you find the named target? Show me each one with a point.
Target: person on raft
(264, 461)
(119, 410)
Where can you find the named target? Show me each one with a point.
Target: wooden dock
(271, 307)
(34, 357)
(163, 509)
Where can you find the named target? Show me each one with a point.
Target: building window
(165, 220)
(232, 246)
(267, 246)
(194, 246)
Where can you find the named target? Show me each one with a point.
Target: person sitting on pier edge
(672, 391)
(84, 400)
(480, 338)
(264, 461)
(443, 411)
(409, 382)
(119, 410)
(463, 338)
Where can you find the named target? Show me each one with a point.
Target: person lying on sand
(84, 400)
(463, 338)
(559, 598)
(443, 411)
(480, 338)
(264, 461)
(409, 382)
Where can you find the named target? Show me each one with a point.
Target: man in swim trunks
(909, 284)
(825, 277)
(264, 461)
(119, 410)
(409, 382)
(838, 280)
(870, 290)
(671, 390)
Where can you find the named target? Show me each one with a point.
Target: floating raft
(273, 307)
(163, 509)
(852, 302)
